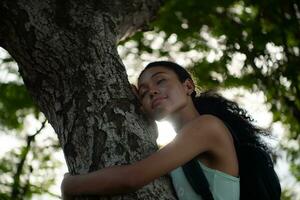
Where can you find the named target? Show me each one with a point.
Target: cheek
(177, 99)
(177, 94)
(146, 105)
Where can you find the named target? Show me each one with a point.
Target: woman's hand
(65, 181)
(106, 181)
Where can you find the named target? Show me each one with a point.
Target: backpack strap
(195, 176)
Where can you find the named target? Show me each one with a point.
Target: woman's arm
(196, 137)
(110, 180)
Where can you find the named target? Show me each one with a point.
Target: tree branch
(25, 150)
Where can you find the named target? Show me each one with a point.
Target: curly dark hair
(210, 102)
(246, 136)
(233, 116)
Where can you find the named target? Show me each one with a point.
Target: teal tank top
(223, 186)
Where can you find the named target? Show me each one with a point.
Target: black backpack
(258, 180)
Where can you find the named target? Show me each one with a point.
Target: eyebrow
(157, 73)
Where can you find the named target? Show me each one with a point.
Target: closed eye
(145, 92)
(160, 81)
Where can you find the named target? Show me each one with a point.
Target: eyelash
(160, 81)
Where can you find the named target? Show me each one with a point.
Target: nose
(153, 91)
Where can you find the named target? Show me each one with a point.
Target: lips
(157, 101)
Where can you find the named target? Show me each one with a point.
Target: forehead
(152, 72)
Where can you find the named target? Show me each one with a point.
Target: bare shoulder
(208, 127)
(212, 122)
(205, 123)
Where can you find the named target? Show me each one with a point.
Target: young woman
(166, 91)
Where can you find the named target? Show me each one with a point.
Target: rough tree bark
(66, 52)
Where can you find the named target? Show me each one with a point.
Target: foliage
(288, 195)
(15, 102)
(230, 43)
(28, 169)
(249, 44)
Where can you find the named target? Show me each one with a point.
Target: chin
(159, 118)
(160, 115)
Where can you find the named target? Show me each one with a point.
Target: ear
(189, 86)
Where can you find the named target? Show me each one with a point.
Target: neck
(183, 116)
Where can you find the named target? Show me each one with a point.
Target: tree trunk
(66, 52)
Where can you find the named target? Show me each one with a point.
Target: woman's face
(161, 92)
